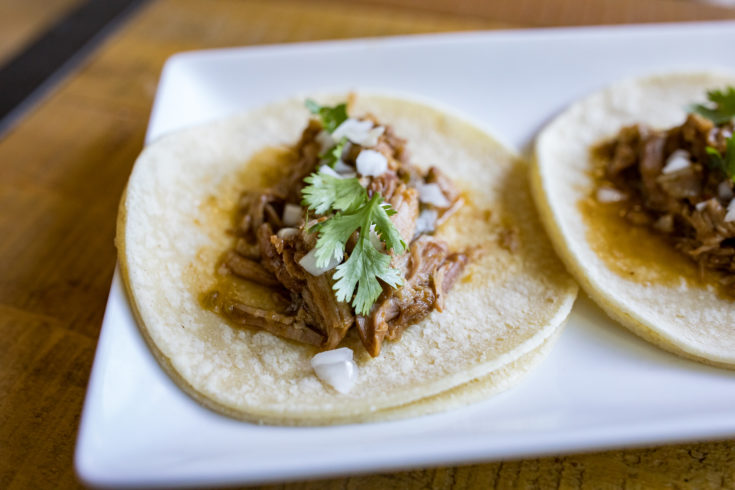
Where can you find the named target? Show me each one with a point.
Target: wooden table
(62, 170)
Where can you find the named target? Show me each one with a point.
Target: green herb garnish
(325, 192)
(725, 162)
(331, 117)
(721, 108)
(353, 211)
(333, 155)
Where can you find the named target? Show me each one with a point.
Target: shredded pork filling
(267, 252)
(665, 180)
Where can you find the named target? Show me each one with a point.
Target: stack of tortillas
(498, 321)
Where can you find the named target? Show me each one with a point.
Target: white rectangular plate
(601, 387)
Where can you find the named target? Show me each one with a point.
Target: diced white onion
(325, 140)
(371, 138)
(346, 150)
(371, 162)
(285, 233)
(326, 169)
(361, 132)
(608, 194)
(426, 222)
(332, 356)
(432, 194)
(336, 368)
(351, 127)
(701, 205)
(730, 215)
(712, 135)
(724, 191)
(308, 262)
(291, 214)
(344, 170)
(678, 160)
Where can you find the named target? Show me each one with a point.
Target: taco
(635, 187)
(238, 251)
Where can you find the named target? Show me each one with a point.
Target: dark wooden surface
(64, 165)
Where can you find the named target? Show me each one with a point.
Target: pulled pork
(267, 251)
(666, 180)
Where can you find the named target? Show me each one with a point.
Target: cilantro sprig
(725, 162)
(358, 277)
(331, 117)
(325, 192)
(364, 267)
(721, 107)
(333, 155)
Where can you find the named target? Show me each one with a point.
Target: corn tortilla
(496, 322)
(689, 320)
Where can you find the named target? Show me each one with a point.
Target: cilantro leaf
(715, 159)
(366, 264)
(333, 236)
(725, 162)
(363, 269)
(386, 230)
(721, 108)
(331, 117)
(312, 105)
(334, 233)
(325, 192)
(333, 155)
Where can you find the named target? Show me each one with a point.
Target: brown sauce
(634, 252)
(263, 170)
(638, 253)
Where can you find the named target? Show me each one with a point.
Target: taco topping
(679, 182)
(336, 368)
(344, 238)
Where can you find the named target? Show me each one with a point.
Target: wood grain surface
(63, 168)
(22, 20)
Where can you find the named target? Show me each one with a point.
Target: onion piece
(326, 169)
(372, 163)
(724, 191)
(432, 194)
(325, 140)
(285, 233)
(358, 131)
(332, 356)
(712, 135)
(336, 368)
(308, 262)
(608, 195)
(678, 160)
(346, 150)
(372, 137)
(700, 205)
(291, 214)
(344, 170)
(730, 215)
(426, 222)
